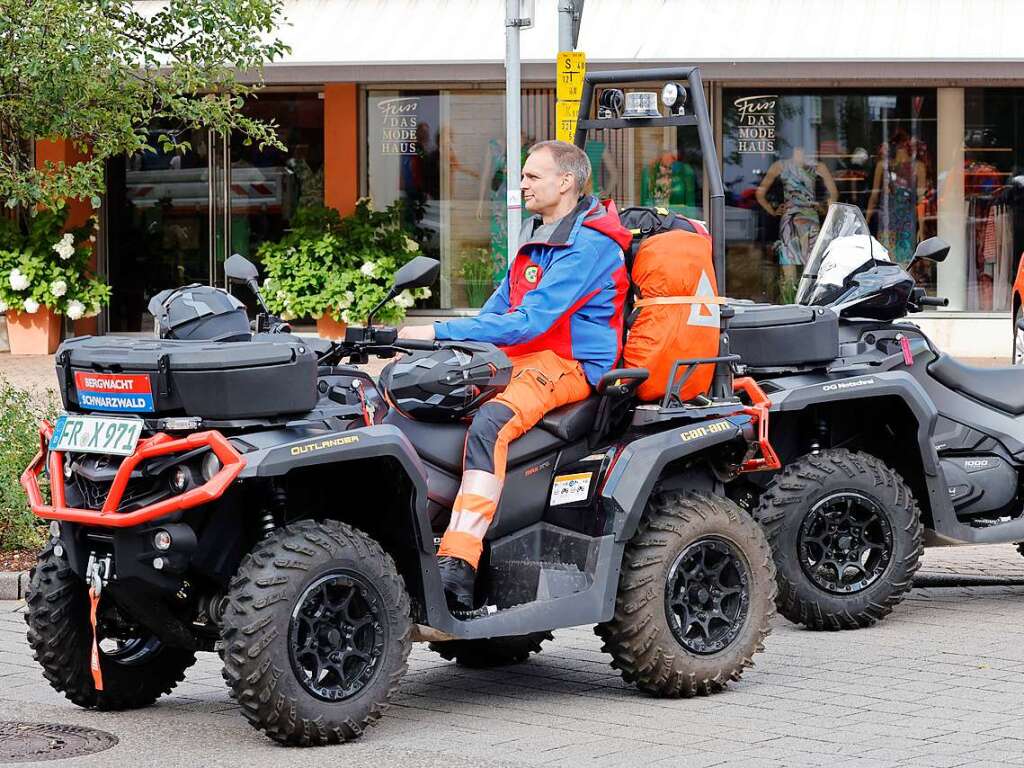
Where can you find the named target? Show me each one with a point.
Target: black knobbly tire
(61, 638)
(645, 636)
(272, 635)
(885, 515)
(492, 652)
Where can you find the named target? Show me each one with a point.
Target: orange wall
(341, 146)
(57, 151)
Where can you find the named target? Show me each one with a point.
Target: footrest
(514, 582)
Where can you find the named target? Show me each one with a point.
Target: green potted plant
(477, 273)
(337, 269)
(45, 274)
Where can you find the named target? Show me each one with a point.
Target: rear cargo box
(226, 380)
(783, 335)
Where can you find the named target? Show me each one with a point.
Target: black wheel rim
(129, 651)
(337, 635)
(707, 595)
(845, 543)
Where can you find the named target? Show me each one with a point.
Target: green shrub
(19, 437)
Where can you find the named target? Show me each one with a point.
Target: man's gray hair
(570, 159)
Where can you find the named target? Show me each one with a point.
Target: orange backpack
(672, 272)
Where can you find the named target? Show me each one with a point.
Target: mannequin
(800, 213)
(901, 181)
(604, 172)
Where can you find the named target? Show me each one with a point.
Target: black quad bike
(888, 444)
(259, 498)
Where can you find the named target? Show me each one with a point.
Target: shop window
(161, 231)
(994, 194)
(788, 154)
(442, 155)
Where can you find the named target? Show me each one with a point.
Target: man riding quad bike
(261, 499)
(888, 444)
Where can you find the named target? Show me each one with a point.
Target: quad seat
(1002, 388)
(442, 444)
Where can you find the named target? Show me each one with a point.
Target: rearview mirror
(239, 269)
(933, 249)
(421, 272)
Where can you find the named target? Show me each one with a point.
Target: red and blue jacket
(565, 294)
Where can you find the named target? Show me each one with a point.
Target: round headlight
(179, 479)
(211, 466)
(670, 94)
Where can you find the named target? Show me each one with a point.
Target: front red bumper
(160, 444)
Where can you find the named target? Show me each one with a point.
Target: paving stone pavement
(938, 684)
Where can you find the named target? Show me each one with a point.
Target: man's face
(543, 185)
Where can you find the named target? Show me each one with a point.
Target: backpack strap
(656, 300)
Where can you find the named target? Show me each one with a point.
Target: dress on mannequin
(669, 182)
(799, 214)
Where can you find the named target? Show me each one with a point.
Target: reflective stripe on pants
(541, 382)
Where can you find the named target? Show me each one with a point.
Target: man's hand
(424, 332)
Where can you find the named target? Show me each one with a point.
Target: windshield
(843, 220)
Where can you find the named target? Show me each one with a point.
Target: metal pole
(565, 12)
(513, 171)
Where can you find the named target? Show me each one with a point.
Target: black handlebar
(933, 301)
(417, 344)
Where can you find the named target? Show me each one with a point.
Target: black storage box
(773, 336)
(214, 380)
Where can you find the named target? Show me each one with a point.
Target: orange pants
(541, 381)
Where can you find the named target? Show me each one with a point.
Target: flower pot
(329, 328)
(35, 334)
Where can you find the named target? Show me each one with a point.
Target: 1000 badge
(96, 434)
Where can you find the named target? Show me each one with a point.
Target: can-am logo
(841, 385)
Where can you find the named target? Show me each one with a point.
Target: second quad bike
(260, 499)
(888, 444)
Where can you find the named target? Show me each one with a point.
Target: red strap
(94, 662)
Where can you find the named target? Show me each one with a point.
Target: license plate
(96, 434)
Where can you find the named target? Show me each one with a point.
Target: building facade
(912, 110)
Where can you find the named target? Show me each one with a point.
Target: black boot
(458, 579)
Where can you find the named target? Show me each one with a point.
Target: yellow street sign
(572, 66)
(566, 113)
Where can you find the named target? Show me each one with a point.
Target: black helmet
(447, 384)
(199, 313)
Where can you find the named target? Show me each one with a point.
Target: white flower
(31, 306)
(281, 296)
(19, 282)
(287, 316)
(346, 300)
(405, 300)
(75, 310)
(65, 247)
(411, 245)
(3, 305)
(422, 293)
(346, 317)
(367, 200)
(369, 269)
(58, 288)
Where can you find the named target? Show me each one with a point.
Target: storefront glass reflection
(994, 195)
(442, 154)
(788, 155)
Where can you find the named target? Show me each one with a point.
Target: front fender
(642, 461)
(375, 442)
